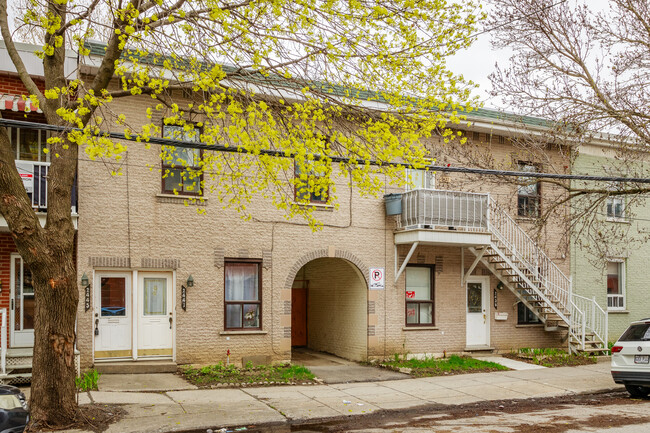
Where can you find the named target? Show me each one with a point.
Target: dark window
(419, 295)
(243, 306)
(524, 315)
(180, 166)
(638, 332)
(528, 195)
(615, 207)
(313, 185)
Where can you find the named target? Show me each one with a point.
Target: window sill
(420, 328)
(196, 200)
(255, 332)
(618, 312)
(529, 325)
(317, 206)
(618, 220)
(523, 219)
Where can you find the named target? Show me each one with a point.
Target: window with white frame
(615, 285)
(615, 207)
(420, 179)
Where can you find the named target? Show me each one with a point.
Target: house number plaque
(184, 298)
(87, 298)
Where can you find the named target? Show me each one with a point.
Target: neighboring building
(16, 292)
(611, 273)
(459, 272)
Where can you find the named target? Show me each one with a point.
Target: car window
(640, 332)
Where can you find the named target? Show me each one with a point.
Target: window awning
(17, 103)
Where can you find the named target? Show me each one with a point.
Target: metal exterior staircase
(523, 267)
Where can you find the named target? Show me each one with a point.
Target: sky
(478, 62)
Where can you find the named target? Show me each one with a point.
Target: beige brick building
(453, 269)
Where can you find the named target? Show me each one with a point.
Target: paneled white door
(21, 304)
(155, 314)
(113, 315)
(478, 315)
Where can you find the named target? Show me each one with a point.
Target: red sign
(26, 175)
(410, 295)
(410, 312)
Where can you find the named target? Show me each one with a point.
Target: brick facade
(126, 223)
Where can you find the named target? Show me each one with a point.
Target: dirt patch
(92, 417)
(553, 360)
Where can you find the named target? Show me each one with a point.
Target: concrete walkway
(217, 408)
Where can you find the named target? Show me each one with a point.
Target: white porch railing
(3, 342)
(427, 208)
(592, 319)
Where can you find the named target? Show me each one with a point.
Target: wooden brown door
(299, 313)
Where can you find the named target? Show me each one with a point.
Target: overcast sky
(477, 62)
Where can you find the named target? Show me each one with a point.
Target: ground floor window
(419, 295)
(243, 306)
(525, 315)
(615, 285)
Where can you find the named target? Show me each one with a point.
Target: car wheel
(638, 391)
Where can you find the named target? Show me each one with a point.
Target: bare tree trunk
(53, 394)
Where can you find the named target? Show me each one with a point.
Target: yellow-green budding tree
(362, 79)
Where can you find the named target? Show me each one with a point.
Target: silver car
(631, 359)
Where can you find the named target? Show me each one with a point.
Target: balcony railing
(34, 176)
(429, 208)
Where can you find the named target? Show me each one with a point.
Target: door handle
(96, 326)
(170, 320)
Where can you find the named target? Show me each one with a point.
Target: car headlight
(10, 401)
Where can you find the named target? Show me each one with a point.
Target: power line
(337, 159)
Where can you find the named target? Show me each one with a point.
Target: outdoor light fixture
(0, 286)
(190, 281)
(500, 285)
(86, 285)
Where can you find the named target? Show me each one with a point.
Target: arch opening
(329, 313)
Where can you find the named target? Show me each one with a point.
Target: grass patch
(262, 374)
(549, 357)
(443, 366)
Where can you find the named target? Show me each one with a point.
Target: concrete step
(136, 367)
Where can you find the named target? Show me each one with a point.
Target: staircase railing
(585, 315)
(553, 281)
(595, 319)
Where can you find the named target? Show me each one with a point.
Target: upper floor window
(181, 166)
(528, 192)
(311, 184)
(615, 207)
(420, 179)
(615, 285)
(28, 144)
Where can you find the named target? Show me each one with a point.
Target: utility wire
(337, 159)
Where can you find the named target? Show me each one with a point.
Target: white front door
(478, 315)
(155, 314)
(113, 315)
(21, 304)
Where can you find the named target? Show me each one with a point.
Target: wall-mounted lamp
(190, 281)
(500, 285)
(0, 286)
(86, 285)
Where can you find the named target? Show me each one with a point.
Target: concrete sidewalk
(216, 408)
